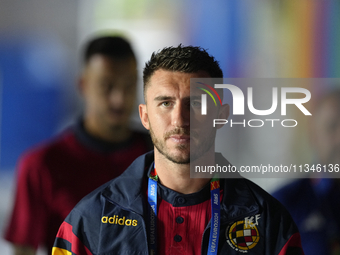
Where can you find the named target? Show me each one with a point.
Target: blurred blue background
(40, 43)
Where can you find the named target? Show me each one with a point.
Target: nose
(181, 115)
(117, 97)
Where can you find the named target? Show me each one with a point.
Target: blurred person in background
(52, 177)
(314, 203)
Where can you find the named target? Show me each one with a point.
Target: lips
(178, 133)
(180, 138)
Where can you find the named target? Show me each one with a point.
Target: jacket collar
(129, 190)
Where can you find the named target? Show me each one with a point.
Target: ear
(143, 114)
(223, 113)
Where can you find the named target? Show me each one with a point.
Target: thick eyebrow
(166, 98)
(163, 98)
(195, 97)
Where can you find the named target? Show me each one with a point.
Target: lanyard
(152, 211)
(215, 214)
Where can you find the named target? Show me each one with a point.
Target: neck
(177, 176)
(107, 134)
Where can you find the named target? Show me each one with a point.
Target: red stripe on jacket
(294, 241)
(77, 247)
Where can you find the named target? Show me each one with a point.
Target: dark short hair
(186, 59)
(115, 47)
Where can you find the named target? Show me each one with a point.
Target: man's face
(167, 116)
(109, 90)
(327, 132)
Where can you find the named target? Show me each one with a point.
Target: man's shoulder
(257, 196)
(114, 209)
(92, 203)
(54, 143)
(293, 190)
(39, 153)
(256, 188)
(264, 204)
(240, 189)
(119, 191)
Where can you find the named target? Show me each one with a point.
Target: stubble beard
(185, 156)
